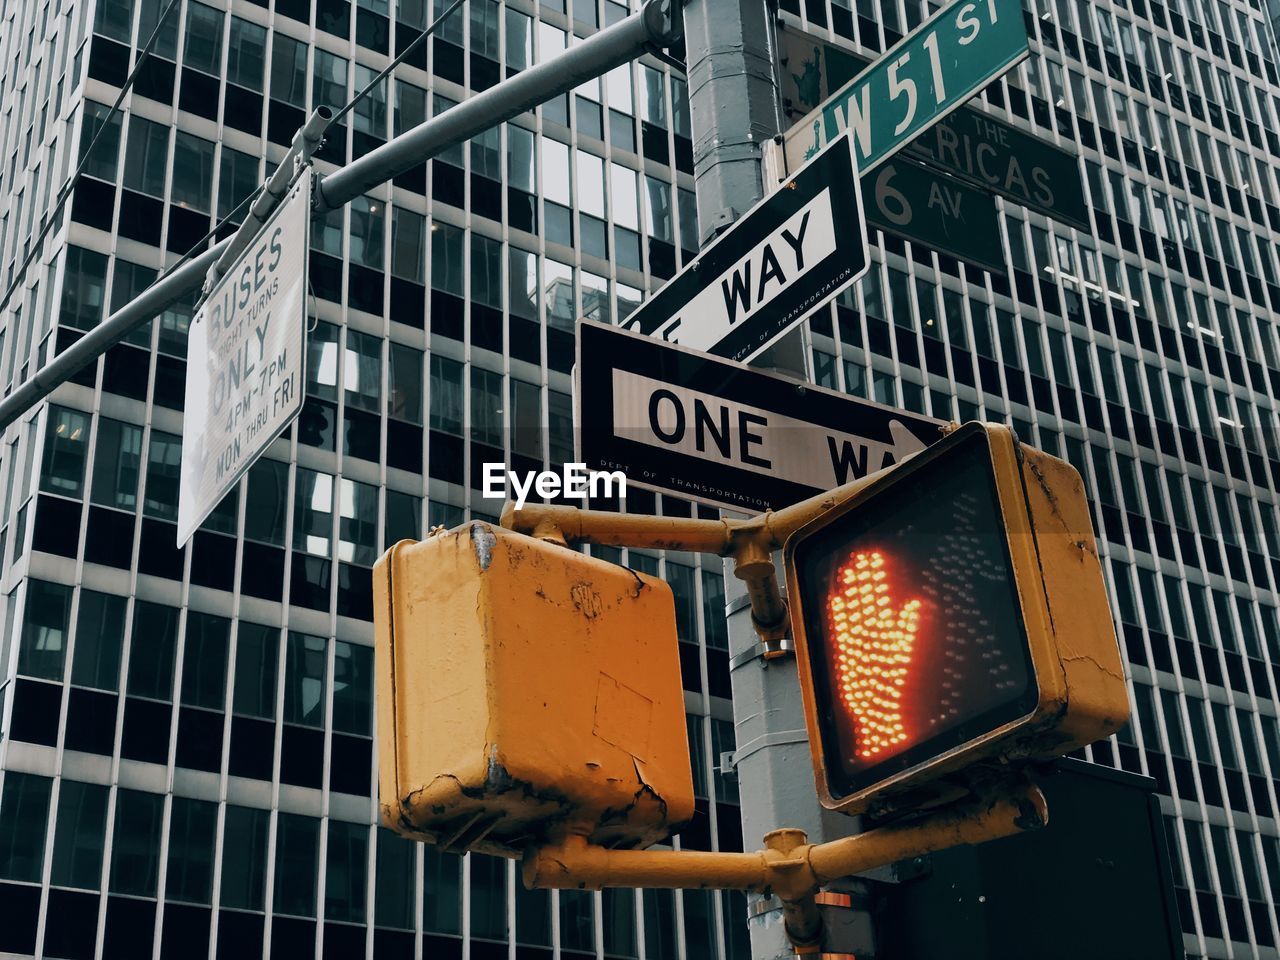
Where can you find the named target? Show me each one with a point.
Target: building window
(237, 179)
(488, 897)
(396, 881)
(486, 272)
(362, 374)
(114, 19)
(410, 109)
(189, 877)
(322, 361)
(577, 921)
(654, 102)
(266, 502)
(660, 924)
(117, 463)
(522, 170)
(357, 522)
(289, 70)
(102, 163)
(366, 232)
(447, 258)
(441, 891)
(193, 172)
(681, 578)
(522, 283)
(328, 80)
(24, 818)
(560, 427)
(404, 513)
(204, 663)
(174, 323)
(713, 614)
(304, 674)
(658, 200)
(164, 468)
(65, 443)
(43, 647)
(618, 912)
(84, 288)
(346, 871)
(353, 689)
(244, 858)
(404, 394)
(313, 513)
(408, 233)
(723, 742)
(526, 418)
(146, 156)
(135, 847)
(486, 406)
(246, 54)
(297, 857)
(257, 653)
(79, 835)
(152, 652)
(202, 48)
(446, 394)
(99, 640)
(559, 297)
(370, 114)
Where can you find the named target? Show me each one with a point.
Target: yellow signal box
(951, 612)
(524, 689)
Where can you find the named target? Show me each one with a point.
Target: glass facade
(186, 752)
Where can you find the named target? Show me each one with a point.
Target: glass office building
(186, 753)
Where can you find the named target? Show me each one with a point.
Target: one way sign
(679, 421)
(789, 255)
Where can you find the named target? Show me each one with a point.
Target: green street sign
(926, 75)
(1000, 157)
(906, 198)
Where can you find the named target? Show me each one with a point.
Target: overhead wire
(403, 55)
(52, 216)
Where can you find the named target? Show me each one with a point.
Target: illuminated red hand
(871, 644)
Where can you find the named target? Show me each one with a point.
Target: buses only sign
(245, 361)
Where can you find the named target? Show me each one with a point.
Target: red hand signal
(872, 649)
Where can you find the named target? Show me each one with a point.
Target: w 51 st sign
(245, 361)
(930, 72)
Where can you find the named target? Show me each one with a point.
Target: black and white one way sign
(245, 356)
(790, 254)
(679, 421)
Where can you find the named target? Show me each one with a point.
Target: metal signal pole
(734, 111)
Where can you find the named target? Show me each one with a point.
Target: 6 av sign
(930, 72)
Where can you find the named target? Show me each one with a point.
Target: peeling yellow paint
(521, 686)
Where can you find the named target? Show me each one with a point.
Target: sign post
(245, 361)
(789, 255)
(921, 79)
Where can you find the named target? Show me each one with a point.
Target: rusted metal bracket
(788, 867)
(750, 543)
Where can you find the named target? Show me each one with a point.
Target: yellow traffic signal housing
(950, 612)
(521, 687)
